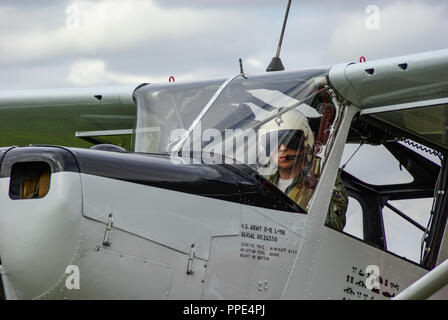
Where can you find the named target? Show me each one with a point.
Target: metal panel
(114, 275)
(255, 264)
(171, 218)
(341, 270)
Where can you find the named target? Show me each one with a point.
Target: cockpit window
(165, 109)
(273, 123)
(166, 112)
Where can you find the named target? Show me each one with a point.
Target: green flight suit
(302, 195)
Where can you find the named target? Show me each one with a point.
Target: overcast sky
(111, 42)
(45, 44)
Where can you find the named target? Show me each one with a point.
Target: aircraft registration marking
(263, 242)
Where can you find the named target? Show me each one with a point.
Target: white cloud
(255, 63)
(94, 72)
(104, 25)
(149, 39)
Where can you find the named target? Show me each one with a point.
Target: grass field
(57, 125)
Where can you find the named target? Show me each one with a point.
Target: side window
(391, 191)
(374, 165)
(354, 215)
(404, 237)
(29, 180)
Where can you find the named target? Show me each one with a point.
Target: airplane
(162, 191)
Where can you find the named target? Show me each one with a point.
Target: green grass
(57, 125)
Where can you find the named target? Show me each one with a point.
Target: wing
(63, 116)
(409, 92)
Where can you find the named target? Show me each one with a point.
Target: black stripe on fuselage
(230, 182)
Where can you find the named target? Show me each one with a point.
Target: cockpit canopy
(198, 116)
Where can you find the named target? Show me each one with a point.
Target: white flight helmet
(291, 120)
(286, 125)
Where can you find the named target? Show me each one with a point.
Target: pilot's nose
(40, 224)
(282, 148)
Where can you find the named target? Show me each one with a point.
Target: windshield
(162, 109)
(166, 112)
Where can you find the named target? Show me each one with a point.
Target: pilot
(294, 158)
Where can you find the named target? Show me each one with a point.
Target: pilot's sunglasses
(290, 138)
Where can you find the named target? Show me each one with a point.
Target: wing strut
(428, 285)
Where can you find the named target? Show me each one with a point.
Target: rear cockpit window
(29, 180)
(361, 160)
